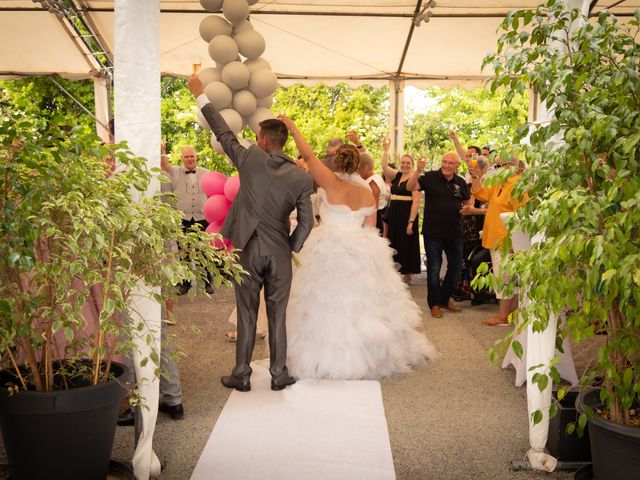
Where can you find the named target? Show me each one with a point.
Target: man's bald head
(450, 164)
(189, 157)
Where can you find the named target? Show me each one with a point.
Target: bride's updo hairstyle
(347, 159)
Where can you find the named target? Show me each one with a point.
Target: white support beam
(101, 95)
(137, 121)
(396, 116)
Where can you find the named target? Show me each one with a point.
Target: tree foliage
(73, 236)
(584, 185)
(478, 116)
(41, 98)
(322, 112)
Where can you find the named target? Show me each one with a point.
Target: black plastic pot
(61, 435)
(615, 449)
(567, 448)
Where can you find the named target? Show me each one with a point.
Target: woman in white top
(378, 186)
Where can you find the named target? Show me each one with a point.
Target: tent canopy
(308, 41)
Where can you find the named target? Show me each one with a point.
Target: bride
(350, 316)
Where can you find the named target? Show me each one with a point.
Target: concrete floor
(459, 417)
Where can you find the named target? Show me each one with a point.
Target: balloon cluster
(221, 192)
(240, 90)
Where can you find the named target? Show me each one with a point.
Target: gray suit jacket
(271, 186)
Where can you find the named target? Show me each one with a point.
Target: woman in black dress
(403, 215)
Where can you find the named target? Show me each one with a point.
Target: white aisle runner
(313, 430)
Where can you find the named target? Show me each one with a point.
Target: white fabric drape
(538, 349)
(137, 120)
(101, 100)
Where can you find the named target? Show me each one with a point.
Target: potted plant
(74, 245)
(584, 185)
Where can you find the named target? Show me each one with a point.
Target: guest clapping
(403, 214)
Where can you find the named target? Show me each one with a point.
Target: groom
(271, 186)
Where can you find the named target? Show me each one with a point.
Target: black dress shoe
(282, 384)
(127, 419)
(234, 382)
(176, 412)
(182, 289)
(209, 289)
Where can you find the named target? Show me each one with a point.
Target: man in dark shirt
(445, 194)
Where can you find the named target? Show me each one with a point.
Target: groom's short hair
(275, 131)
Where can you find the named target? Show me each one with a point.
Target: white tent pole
(137, 120)
(541, 346)
(396, 115)
(392, 117)
(102, 99)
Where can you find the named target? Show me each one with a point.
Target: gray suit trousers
(274, 271)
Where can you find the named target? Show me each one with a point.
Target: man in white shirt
(185, 181)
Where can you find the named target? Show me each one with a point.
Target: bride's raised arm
(322, 174)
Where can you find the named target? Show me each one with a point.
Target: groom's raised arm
(234, 150)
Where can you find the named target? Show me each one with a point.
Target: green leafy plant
(584, 185)
(478, 116)
(73, 237)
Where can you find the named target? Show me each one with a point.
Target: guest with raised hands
(353, 137)
(445, 194)
(472, 152)
(403, 214)
(500, 200)
(339, 325)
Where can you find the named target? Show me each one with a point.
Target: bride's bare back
(353, 196)
(339, 192)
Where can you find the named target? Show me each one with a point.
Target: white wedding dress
(350, 316)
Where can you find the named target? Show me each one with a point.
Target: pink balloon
(213, 228)
(217, 242)
(216, 208)
(231, 187)
(212, 183)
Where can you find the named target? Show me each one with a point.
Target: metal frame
(82, 32)
(87, 9)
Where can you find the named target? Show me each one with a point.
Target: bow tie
(189, 171)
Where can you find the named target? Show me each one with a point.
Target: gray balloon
(212, 5)
(210, 74)
(223, 49)
(257, 64)
(212, 26)
(236, 75)
(263, 83)
(235, 10)
(244, 102)
(250, 43)
(258, 116)
(233, 119)
(243, 26)
(219, 95)
(265, 102)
